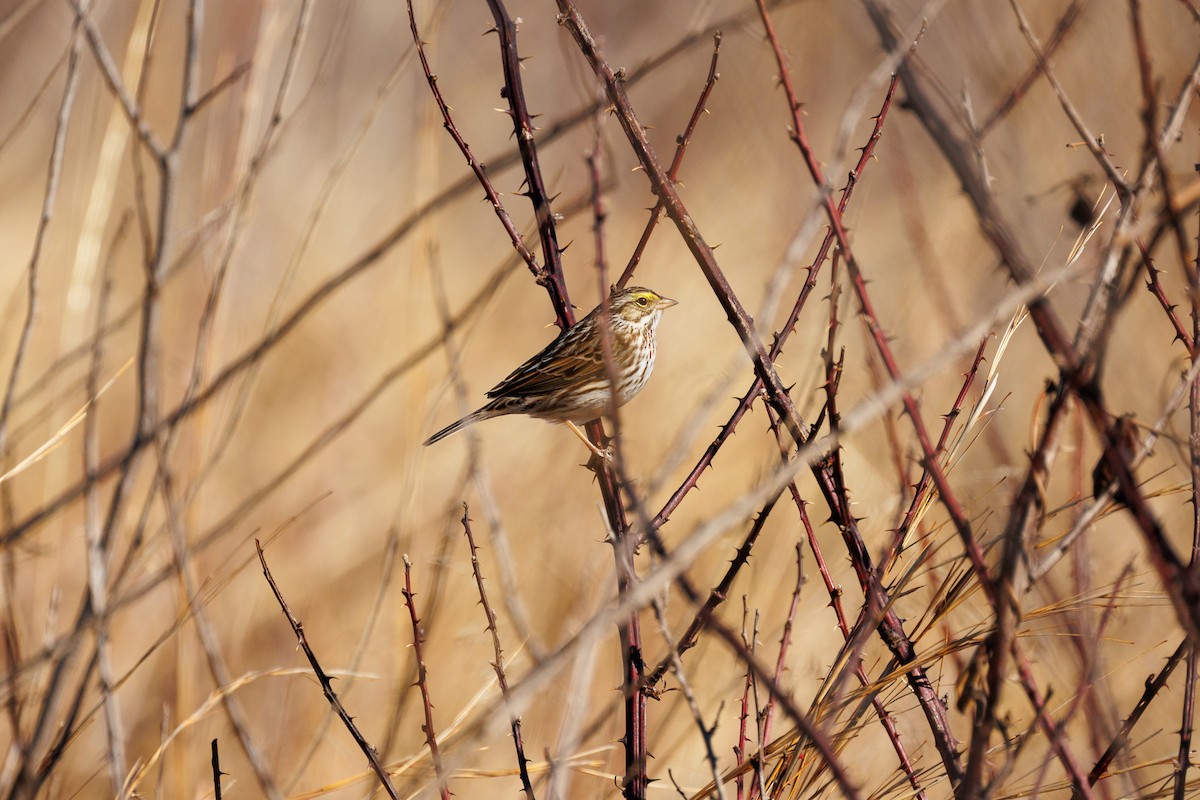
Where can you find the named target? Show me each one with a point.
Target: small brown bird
(568, 381)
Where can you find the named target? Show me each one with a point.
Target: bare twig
(739, 750)
(423, 682)
(477, 167)
(1154, 685)
(718, 594)
(923, 487)
(785, 640)
(1064, 25)
(551, 275)
(663, 187)
(1156, 289)
(681, 144)
(216, 770)
(706, 732)
(1093, 143)
(323, 679)
(498, 664)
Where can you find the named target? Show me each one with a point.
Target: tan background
(339, 519)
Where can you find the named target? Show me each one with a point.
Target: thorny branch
(1155, 203)
(326, 686)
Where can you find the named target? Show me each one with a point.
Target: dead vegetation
(942, 542)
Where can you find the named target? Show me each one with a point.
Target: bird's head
(638, 306)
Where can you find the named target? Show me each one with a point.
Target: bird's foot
(600, 458)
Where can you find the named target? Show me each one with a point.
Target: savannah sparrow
(568, 381)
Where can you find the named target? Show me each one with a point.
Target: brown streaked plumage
(567, 381)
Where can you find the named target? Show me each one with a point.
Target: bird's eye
(642, 301)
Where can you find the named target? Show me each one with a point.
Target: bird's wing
(573, 358)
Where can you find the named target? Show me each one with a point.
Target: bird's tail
(455, 427)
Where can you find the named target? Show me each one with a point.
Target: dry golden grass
(303, 268)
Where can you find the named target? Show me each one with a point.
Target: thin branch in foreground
(1154, 685)
(739, 750)
(216, 770)
(785, 639)
(1156, 288)
(422, 683)
(498, 664)
(435, 589)
(1094, 144)
(917, 506)
(326, 684)
(706, 732)
(476, 166)
(551, 275)
(718, 594)
(612, 474)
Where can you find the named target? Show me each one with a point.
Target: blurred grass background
(359, 150)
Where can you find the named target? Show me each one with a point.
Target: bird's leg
(605, 454)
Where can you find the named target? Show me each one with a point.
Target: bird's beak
(666, 302)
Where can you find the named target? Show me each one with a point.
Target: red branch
(673, 173)
(422, 683)
(498, 664)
